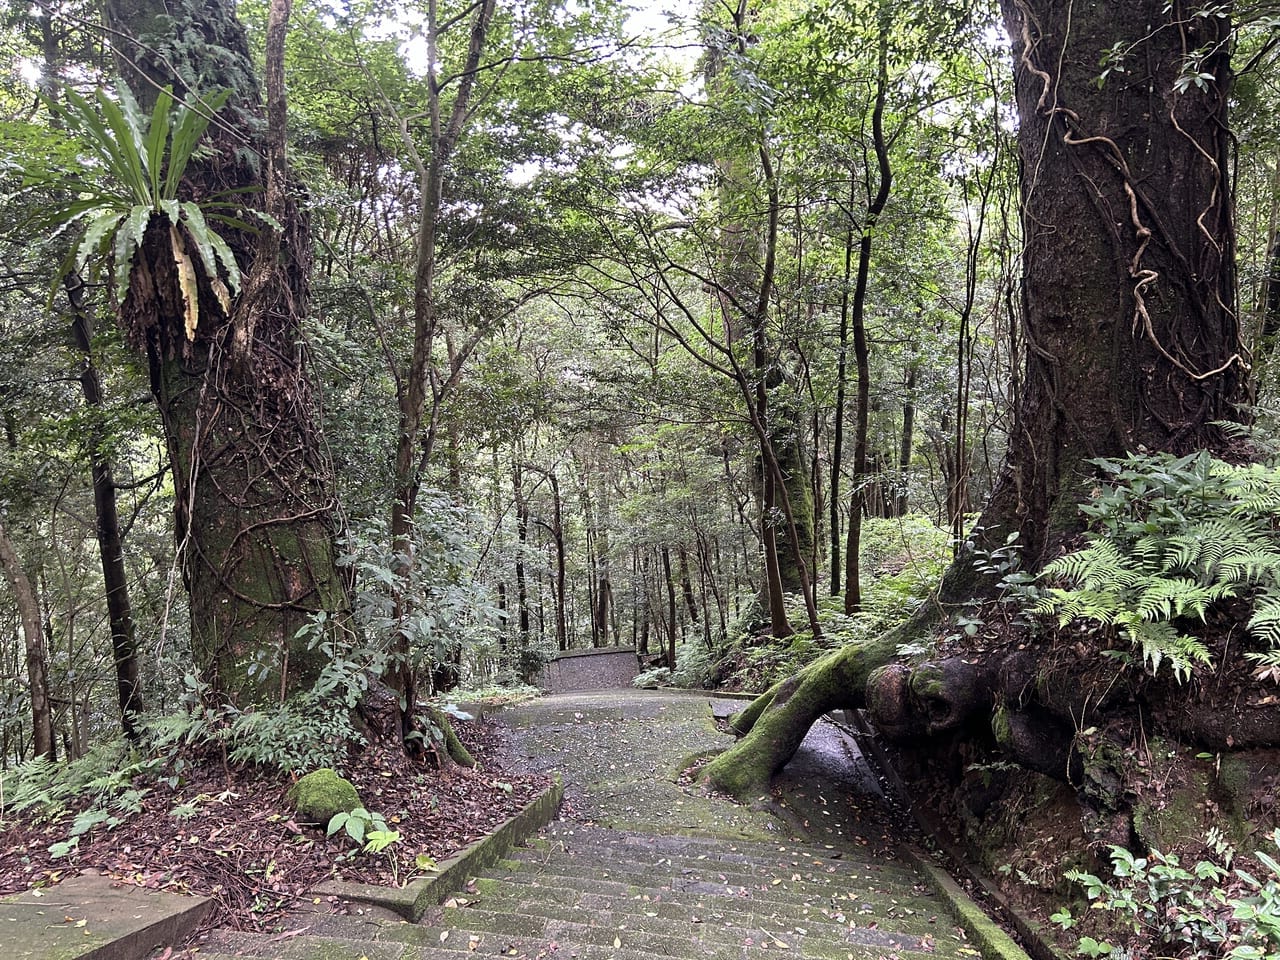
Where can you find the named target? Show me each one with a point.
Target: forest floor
(229, 833)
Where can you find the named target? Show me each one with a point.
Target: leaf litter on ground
(229, 833)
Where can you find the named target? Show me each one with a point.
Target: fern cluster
(1171, 537)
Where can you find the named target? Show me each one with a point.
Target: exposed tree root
(453, 747)
(778, 719)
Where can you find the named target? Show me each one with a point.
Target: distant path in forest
(621, 753)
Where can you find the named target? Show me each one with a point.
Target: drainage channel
(946, 850)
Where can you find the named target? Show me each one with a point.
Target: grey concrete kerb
(987, 935)
(90, 917)
(414, 899)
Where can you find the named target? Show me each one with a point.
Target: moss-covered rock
(321, 794)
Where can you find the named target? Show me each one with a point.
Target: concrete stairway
(588, 893)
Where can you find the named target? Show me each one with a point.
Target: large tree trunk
(1128, 291)
(1132, 341)
(256, 517)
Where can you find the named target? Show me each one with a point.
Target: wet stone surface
(621, 754)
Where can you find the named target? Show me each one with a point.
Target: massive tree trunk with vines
(1128, 293)
(1132, 344)
(255, 512)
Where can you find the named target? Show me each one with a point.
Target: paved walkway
(640, 865)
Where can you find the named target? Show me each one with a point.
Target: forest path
(641, 865)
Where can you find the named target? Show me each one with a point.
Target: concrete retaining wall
(599, 669)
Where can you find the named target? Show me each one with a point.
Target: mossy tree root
(790, 708)
(742, 721)
(453, 747)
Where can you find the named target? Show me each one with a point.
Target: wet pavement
(623, 754)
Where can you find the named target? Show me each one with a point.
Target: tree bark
(1128, 267)
(124, 644)
(256, 516)
(33, 636)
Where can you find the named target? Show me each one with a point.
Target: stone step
(916, 915)
(304, 946)
(662, 935)
(685, 845)
(90, 917)
(418, 943)
(792, 887)
(490, 934)
(735, 870)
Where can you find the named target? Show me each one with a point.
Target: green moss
(1233, 774)
(1000, 727)
(745, 719)
(321, 794)
(1167, 825)
(927, 681)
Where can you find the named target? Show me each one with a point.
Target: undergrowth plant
(1161, 908)
(902, 560)
(1171, 537)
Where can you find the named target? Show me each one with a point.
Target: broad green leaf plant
(131, 176)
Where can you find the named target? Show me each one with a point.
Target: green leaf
(211, 246)
(336, 823)
(128, 158)
(189, 126)
(379, 840)
(96, 234)
(158, 137)
(355, 828)
(128, 239)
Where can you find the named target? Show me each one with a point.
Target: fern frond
(1256, 489)
(1181, 552)
(1168, 598)
(1265, 622)
(1068, 605)
(1160, 642)
(1100, 565)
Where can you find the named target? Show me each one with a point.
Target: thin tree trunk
(686, 586)
(124, 644)
(33, 636)
(556, 529)
(672, 624)
(902, 497)
(522, 543)
(411, 452)
(862, 354)
(842, 379)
